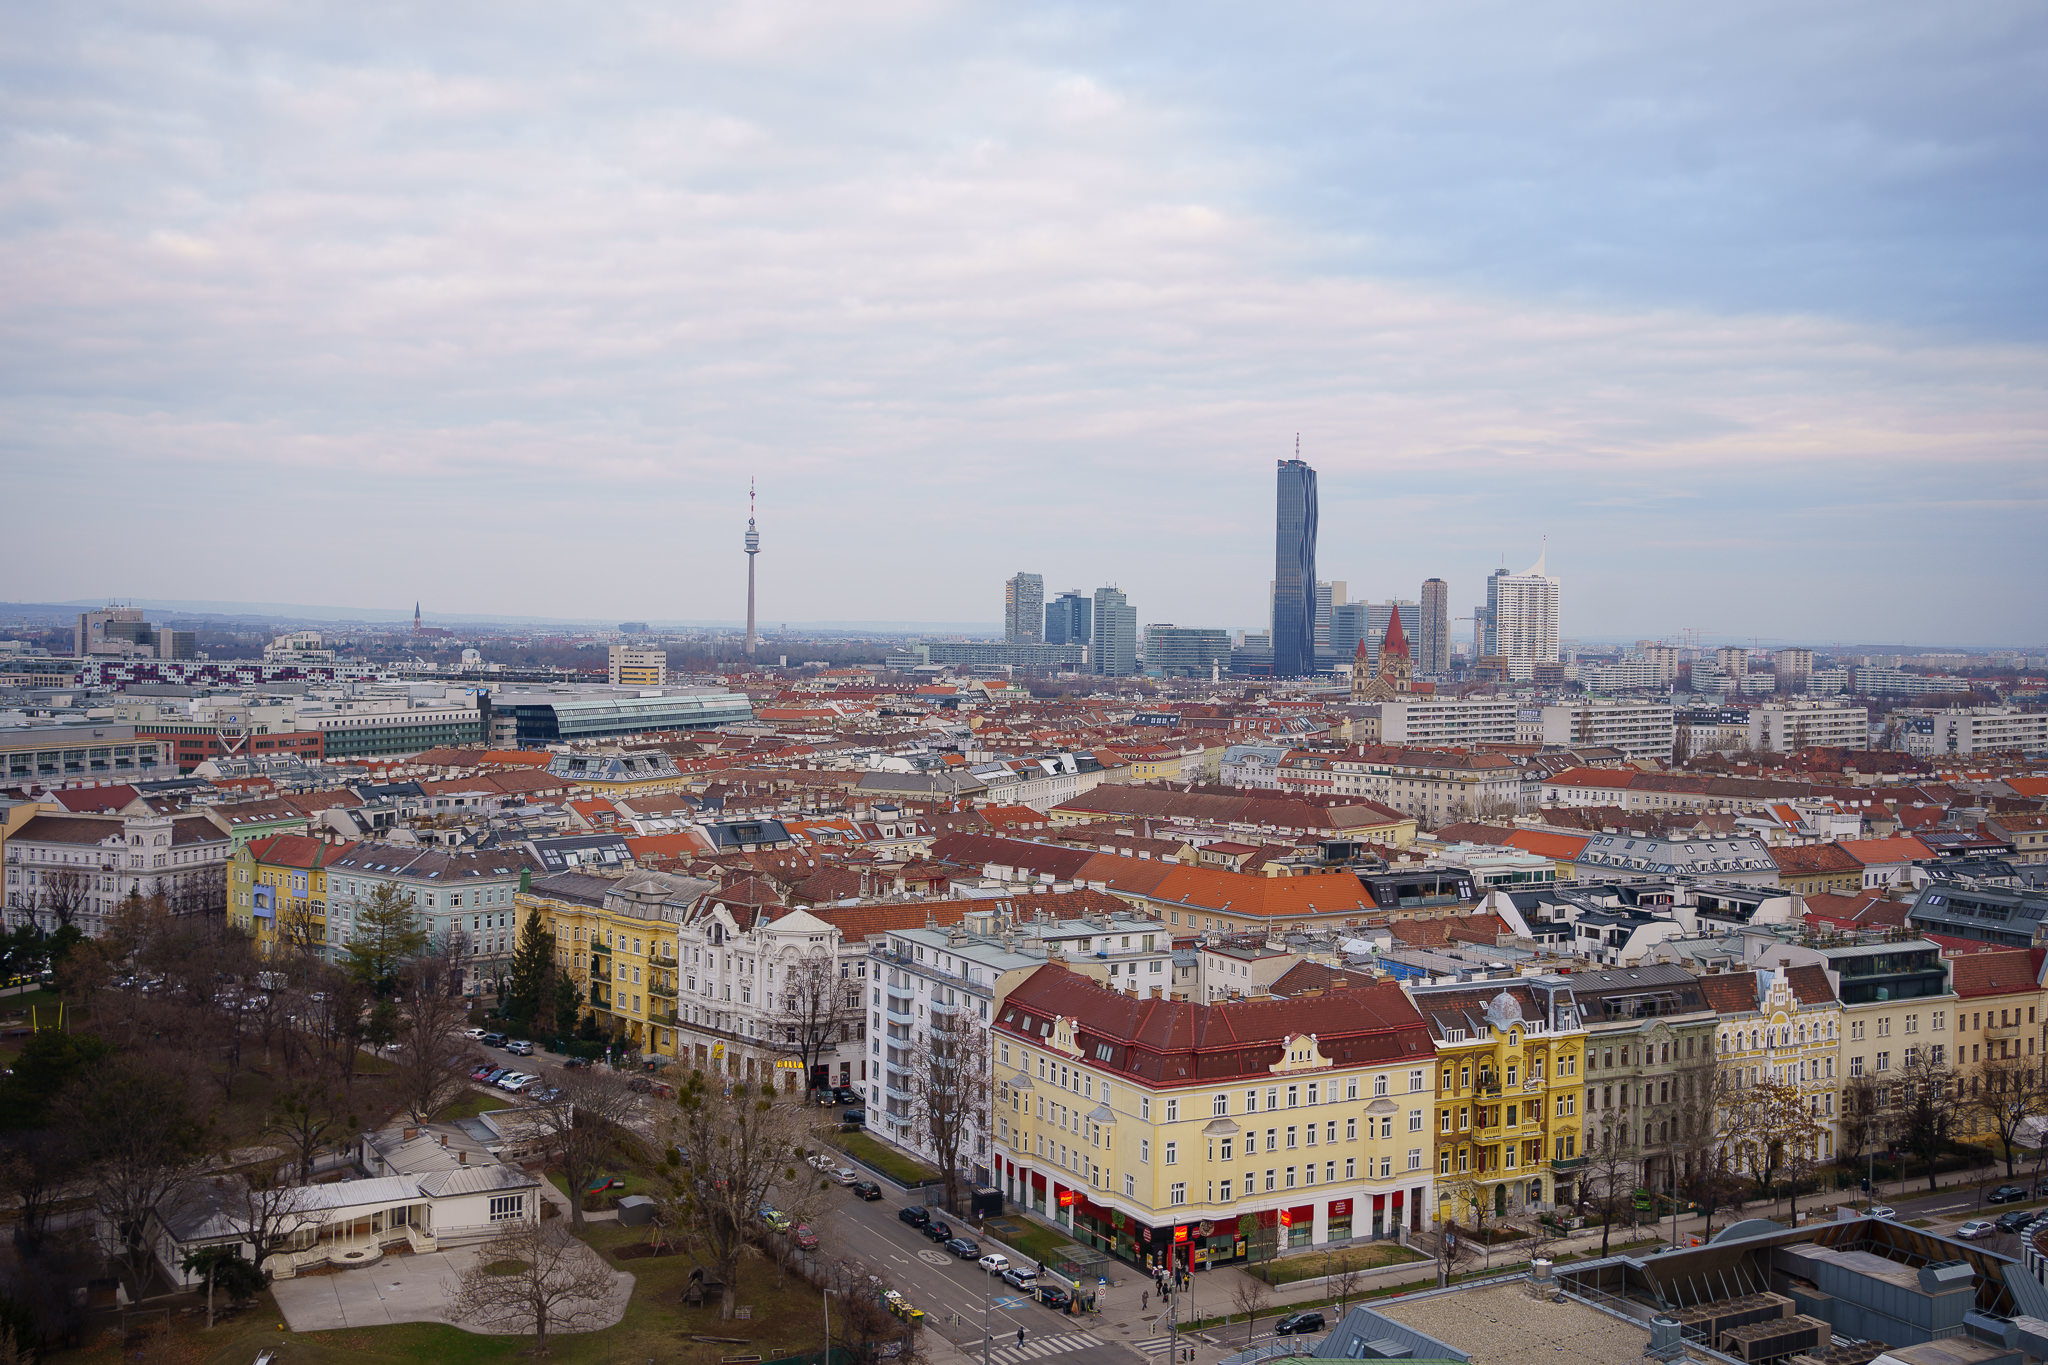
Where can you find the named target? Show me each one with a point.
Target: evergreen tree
(530, 992)
(386, 934)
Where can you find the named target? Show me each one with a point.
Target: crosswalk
(1035, 1348)
(1153, 1346)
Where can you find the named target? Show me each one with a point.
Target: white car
(995, 1261)
(1883, 1211)
(474, 1032)
(1974, 1229)
(516, 1082)
(845, 1175)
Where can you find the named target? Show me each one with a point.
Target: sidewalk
(1122, 1320)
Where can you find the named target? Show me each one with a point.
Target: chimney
(411, 1133)
(462, 1158)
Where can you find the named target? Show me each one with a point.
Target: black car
(1294, 1324)
(915, 1216)
(2015, 1220)
(938, 1230)
(492, 1040)
(845, 1094)
(866, 1189)
(964, 1249)
(2005, 1194)
(851, 1119)
(1052, 1296)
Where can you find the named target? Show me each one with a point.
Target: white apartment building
(1524, 610)
(1794, 666)
(1640, 729)
(1448, 720)
(1623, 675)
(1436, 786)
(77, 869)
(1782, 728)
(631, 666)
(1988, 729)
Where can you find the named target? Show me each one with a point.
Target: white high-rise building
(1114, 647)
(1525, 614)
(1024, 609)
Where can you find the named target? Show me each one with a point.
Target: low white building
(1783, 728)
(1640, 729)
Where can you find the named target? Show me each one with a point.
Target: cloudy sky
(500, 306)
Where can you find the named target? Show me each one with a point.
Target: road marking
(1064, 1344)
(934, 1258)
(1008, 1301)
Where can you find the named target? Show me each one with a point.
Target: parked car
(1883, 1211)
(818, 1161)
(939, 1230)
(995, 1261)
(1974, 1229)
(825, 1097)
(576, 1064)
(640, 1085)
(478, 1073)
(494, 1040)
(1018, 1277)
(804, 1237)
(2015, 1219)
(845, 1176)
(776, 1219)
(2005, 1194)
(866, 1189)
(964, 1247)
(850, 1119)
(845, 1094)
(519, 1047)
(467, 1033)
(1052, 1296)
(546, 1096)
(916, 1215)
(1294, 1324)
(517, 1082)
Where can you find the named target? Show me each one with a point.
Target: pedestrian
(1020, 1336)
(1144, 1301)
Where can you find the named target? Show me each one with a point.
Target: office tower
(1330, 595)
(1434, 637)
(1185, 651)
(1347, 629)
(1068, 620)
(634, 667)
(1489, 643)
(1114, 645)
(753, 548)
(1024, 609)
(1294, 571)
(1523, 614)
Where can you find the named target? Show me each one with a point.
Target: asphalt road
(957, 1296)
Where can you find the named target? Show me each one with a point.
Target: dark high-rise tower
(1294, 572)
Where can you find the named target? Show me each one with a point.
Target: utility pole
(985, 1274)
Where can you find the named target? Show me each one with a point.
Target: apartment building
(1436, 786)
(1650, 1034)
(1173, 1134)
(468, 894)
(1640, 729)
(76, 869)
(1784, 1026)
(1783, 727)
(1444, 721)
(1508, 1075)
(70, 755)
(277, 892)
(1988, 729)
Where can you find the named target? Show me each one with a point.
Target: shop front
(1297, 1226)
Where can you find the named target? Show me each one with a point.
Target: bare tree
(1863, 1123)
(429, 1064)
(817, 1011)
(309, 1118)
(2003, 1095)
(536, 1278)
(950, 1066)
(739, 1145)
(1923, 1107)
(1250, 1296)
(35, 1168)
(138, 1135)
(1611, 1174)
(64, 894)
(582, 1128)
(1770, 1127)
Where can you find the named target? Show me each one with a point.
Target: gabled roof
(2006, 971)
(1873, 852)
(94, 800)
(296, 850)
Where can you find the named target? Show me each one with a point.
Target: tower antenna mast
(753, 545)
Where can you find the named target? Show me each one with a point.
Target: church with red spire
(1396, 674)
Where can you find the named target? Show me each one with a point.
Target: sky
(1740, 311)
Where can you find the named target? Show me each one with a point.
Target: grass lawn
(899, 1167)
(43, 1000)
(1370, 1257)
(469, 1104)
(786, 1320)
(1031, 1239)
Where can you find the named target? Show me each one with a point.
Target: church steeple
(1396, 641)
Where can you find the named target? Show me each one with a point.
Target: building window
(1173, 1111)
(1173, 1153)
(1414, 1158)
(1130, 1185)
(1177, 1193)
(1220, 1106)
(1884, 1061)
(1145, 1150)
(1270, 1186)
(1414, 1120)
(1291, 1142)
(506, 1207)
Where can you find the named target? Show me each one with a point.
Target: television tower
(753, 548)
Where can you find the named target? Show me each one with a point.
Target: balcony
(947, 1010)
(896, 1016)
(665, 992)
(1569, 1163)
(597, 947)
(665, 1018)
(600, 970)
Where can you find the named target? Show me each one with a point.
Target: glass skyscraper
(1069, 620)
(1294, 572)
